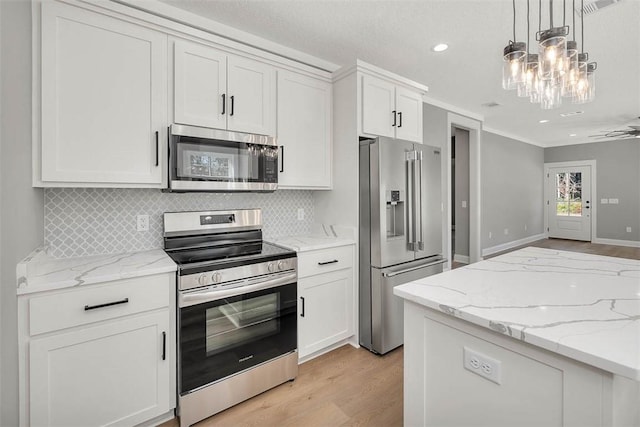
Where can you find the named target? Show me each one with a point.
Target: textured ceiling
(397, 35)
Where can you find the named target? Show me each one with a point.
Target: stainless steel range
(237, 303)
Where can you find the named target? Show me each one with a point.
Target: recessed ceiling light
(544, 121)
(572, 113)
(572, 134)
(440, 47)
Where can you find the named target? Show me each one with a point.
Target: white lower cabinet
(108, 374)
(110, 362)
(326, 299)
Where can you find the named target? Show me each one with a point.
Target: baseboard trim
(616, 242)
(464, 259)
(510, 245)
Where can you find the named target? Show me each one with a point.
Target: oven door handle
(186, 299)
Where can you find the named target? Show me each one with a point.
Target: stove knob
(282, 265)
(202, 280)
(216, 277)
(271, 267)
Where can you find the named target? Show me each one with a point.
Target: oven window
(235, 323)
(223, 337)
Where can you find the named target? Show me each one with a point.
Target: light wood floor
(352, 387)
(346, 387)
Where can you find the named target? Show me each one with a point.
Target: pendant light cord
(550, 13)
(527, 30)
(573, 9)
(582, 23)
(514, 21)
(539, 16)
(564, 13)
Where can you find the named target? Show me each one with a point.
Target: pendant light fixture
(557, 71)
(514, 59)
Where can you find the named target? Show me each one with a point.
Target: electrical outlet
(483, 365)
(613, 201)
(506, 231)
(142, 222)
(490, 235)
(525, 227)
(628, 229)
(464, 203)
(604, 201)
(300, 214)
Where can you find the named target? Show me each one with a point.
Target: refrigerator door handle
(409, 164)
(417, 267)
(418, 203)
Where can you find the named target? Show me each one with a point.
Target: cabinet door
(251, 96)
(409, 107)
(200, 78)
(104, 94)
(378, 101)
(107, 374)
(304, 131)
(326, 313)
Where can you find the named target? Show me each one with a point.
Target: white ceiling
(397, 35)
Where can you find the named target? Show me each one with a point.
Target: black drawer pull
(164, 345)
(400, 118)
(108, 304)
(224, 103)
(333, 261)
(394, 117)
(282, 158)
(232, 104)
(302, 314)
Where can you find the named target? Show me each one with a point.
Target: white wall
(21, 209)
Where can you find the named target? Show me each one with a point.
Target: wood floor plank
(352, 387)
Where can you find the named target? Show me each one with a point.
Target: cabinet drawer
(324, 260)
(94, 303)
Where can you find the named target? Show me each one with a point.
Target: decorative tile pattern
(96, 221)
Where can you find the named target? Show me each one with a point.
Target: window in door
(569, 194)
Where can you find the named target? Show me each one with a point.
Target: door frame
(474, 127)
(593, 196)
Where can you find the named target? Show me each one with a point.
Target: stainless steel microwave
(202, 159)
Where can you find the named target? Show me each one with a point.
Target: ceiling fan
(631, 132)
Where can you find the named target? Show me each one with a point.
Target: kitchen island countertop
(584, 307)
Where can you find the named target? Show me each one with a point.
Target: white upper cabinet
(391, 110)
(103, 101)
(200, 83)
(219, 90)
(304, 131)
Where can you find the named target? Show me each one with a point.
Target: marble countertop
(585, 307)
(322, 237)
(40, 272)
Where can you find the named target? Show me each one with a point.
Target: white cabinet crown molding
(375, 71)
(183, 23)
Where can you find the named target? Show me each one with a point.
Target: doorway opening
(460, 190)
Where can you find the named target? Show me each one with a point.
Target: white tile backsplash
(93, 221)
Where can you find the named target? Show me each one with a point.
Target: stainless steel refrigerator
(400, 232)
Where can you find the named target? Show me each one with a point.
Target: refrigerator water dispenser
(395, 213)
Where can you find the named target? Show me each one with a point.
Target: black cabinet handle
(157, 148)
(224, 103)
(333, 261)
(400, 119)
(302, 314)
(108, 304)
(164, 345)
(394, 118)
(232, 105)
(282, 158)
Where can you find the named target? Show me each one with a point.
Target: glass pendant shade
(591, 81)
(552, 49)
(570, 77)
(581, 87)
(513, 66)
(530, 77)
(550, 94)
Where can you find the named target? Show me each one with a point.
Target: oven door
(234, 330)
(215, 160)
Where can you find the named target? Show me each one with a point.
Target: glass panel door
(569, 205)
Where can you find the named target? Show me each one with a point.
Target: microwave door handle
(409, 191)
